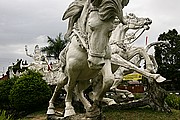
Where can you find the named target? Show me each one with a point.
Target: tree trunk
(156, 97)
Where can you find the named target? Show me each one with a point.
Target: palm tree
(56, 45)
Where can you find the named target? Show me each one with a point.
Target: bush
(30, 92)
(3, 116)
(5, 87)
(173, 101)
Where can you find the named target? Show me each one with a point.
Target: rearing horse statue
(90, 25)
(122, 54)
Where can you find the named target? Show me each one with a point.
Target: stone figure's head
(37, 49)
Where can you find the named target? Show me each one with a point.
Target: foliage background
(168, 58)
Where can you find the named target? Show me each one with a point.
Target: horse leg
(154, 63)
(118, 77)
(116, 59)
(126, 93)
(109, 101)
(108, 79)
(141, 51)
(107, 82)
(69, 109)
(97, 83)
(70, 87)
(79, 90)
(51, 107)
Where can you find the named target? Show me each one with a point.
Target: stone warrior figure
(38, 58)
(73, 12)
(76, 8)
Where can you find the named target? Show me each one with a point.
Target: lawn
(145, 113)
(141, 114)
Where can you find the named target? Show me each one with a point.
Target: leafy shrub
(5, 87)
(30, 92)
(3, 116)
(173, 101)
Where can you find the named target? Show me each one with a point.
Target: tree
(56, 45)
(168, 57)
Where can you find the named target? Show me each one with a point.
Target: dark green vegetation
(29, 92)
(173, 101)
(25, 94)
(5, 87)
(168, 59)
(55, 46)
(145, 113)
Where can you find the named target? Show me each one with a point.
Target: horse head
(92, 22)
(120, 35)
(99, 27)
(145, 22)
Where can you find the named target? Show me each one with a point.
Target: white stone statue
(88, 52)
(121, 41)
(121, 44)
(38, 58)
(122, 53)
(40, 64)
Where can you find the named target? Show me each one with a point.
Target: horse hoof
(112, 102)
(50, 112)
(124, 96)
(69, 112)
(160, 79)
(131, 96)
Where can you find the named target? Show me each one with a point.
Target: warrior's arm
(27, 52)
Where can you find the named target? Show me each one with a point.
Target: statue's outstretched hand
(25, 47)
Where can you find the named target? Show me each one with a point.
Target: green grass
(39, 115)
(141, 114)
(144, 113)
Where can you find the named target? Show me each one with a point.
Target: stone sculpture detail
(88, 52)
(41, 64)
(94, 53)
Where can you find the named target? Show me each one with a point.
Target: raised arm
(26, 50)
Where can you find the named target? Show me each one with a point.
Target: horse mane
(96, 2)
(74, 10)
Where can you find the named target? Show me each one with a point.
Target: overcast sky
(29, 22)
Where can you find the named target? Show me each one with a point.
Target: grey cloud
(25, 19)
(27, 22)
